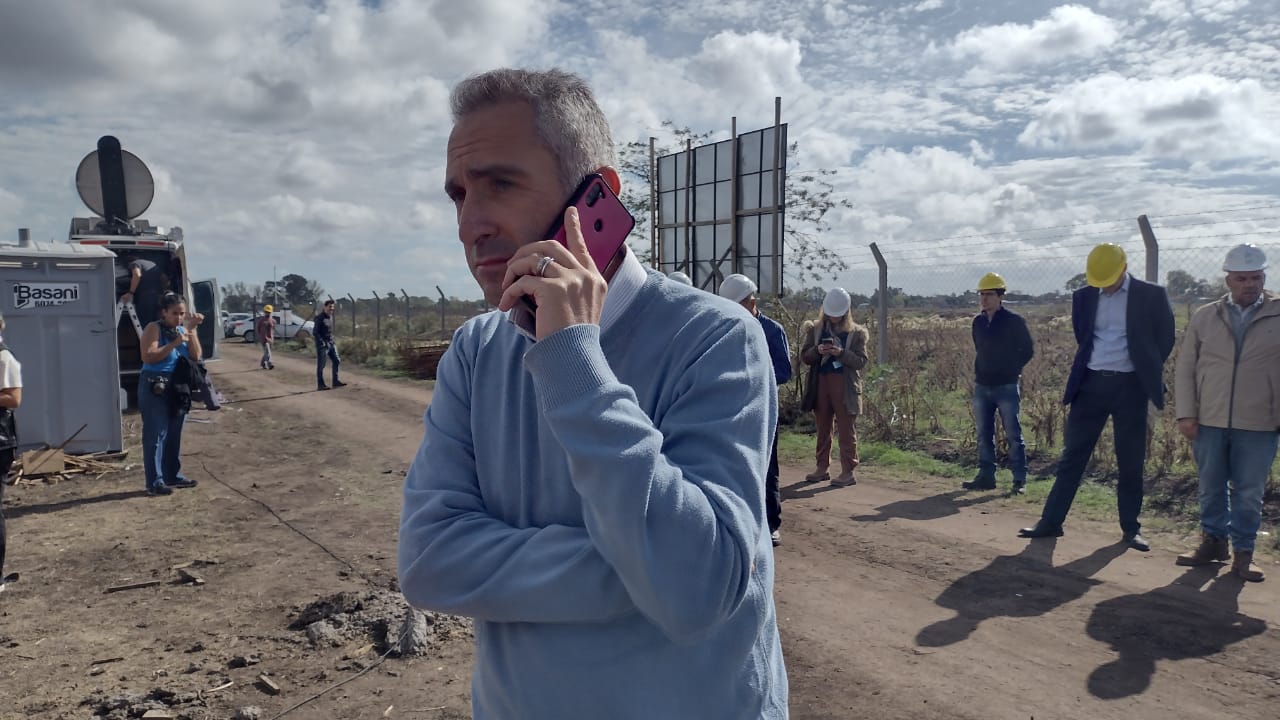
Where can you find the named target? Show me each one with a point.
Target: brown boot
(845, 479)
(1244, 568)
(819, 475)
(1212, 549)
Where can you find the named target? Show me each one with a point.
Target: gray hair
(566, 115)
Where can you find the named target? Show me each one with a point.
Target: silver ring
(543, 263)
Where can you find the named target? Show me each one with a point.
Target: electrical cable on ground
(336, 685)
(287, 524)
(392, 646)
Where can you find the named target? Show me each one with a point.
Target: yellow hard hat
(1105, 266)
(268, 308)
(991, 281)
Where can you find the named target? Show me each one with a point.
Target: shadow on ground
(1022, 585)
(1195, 616)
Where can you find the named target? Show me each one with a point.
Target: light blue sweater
(596, 503)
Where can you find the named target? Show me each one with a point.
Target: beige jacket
(1217, 388)
(854, 359)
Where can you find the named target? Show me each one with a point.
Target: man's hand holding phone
(569, 290)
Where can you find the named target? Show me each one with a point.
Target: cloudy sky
(967, 134)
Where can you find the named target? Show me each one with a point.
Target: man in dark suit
(1124, 334)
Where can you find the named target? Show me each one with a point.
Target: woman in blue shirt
(162, 342)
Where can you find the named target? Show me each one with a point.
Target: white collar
(623, 290)
(1124, 287)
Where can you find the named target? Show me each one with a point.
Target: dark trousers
(327, 351)
(772, 495)
(6, 462)
(1121, 398)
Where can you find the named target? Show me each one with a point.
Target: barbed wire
(1221, 210)
(1216, 222)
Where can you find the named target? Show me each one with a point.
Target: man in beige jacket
(1228, 402)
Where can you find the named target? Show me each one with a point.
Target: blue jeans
(323, 351)
(1005, 399)
(161, 435)
(1234, 465)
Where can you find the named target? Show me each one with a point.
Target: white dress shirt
(1110, 331)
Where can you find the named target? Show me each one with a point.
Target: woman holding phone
(835, 349)
(162, 342)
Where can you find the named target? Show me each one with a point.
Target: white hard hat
(681, 278)
(837, 303)
(737, 288)
(1245, 258)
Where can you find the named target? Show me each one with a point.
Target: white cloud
(757, 64)
(1168, 10)
(1189, 118)
(1070, 31)
(10, 204)
(290, 210)
(303, 167)
(311, 135)
(1217, 11)
(978, 152)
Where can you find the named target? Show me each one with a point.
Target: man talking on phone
(592, 495)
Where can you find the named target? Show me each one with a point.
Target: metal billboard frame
(720, 208)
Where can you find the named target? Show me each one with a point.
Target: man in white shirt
(10, 399)
(1124, 334)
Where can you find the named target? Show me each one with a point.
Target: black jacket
(1148, 325)
(1003, 346)
(322, 326)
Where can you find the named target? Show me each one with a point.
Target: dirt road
(894, 601)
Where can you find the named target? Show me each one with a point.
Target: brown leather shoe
(845, 479)
(1244, 568)
(1212, 549)
(819, 475)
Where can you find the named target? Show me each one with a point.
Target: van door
(206, 301)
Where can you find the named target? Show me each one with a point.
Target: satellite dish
(114, 183)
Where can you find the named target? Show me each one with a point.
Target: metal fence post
(408, 321)
(882, 349)
(443, 301)
(377, 312)
(1153, 249)
(353, 315)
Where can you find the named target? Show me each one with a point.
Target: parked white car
(230, 320)
(288, 326)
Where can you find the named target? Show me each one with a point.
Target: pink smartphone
(605, 221)
(605, 227)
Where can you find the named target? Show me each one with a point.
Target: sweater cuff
(567, 365)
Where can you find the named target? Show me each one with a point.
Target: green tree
(809, 198)
(239, 297)
(1183, 284)
(1075, 283)
(300, 291)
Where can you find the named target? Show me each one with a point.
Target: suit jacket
(1149, 331)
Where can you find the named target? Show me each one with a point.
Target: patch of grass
(377, 359)
(796, 448)
(918, 468)
(883, 454)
